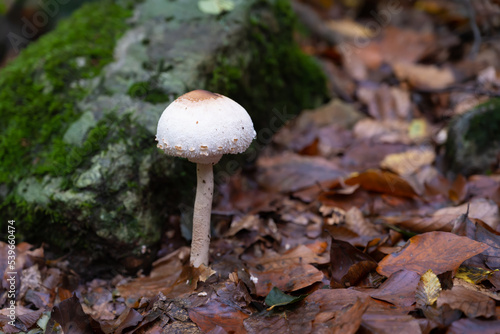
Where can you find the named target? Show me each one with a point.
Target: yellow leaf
(428, 289)
(473, 275)
(410, 161)
(418, 130)
(350, 29)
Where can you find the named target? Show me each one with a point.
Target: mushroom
(202, 126)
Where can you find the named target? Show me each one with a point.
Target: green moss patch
(37, 104)
(484, 129)
(279, 73)
(40, 87)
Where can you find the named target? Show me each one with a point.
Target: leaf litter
(347, 224)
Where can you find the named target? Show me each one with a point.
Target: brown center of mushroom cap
(199, 95)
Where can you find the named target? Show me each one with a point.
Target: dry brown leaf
(298, 255)
(485, 186)
(439, 251)
(387, 48)
(349, 29)
(410, 161)
(389, 132)
(355, 221)
(291, 172)
(424, 76)
(478, 288)
(248, 222)
(442, 219)
(303, 130)
(290, 278)
(331, 300)
(346, 321)
(474, 326)
(348, 264)
(390, 322)
(383, 182)
(169, 276)
(399, 289)
(482, 232)
(474, 304)
(386, 103)
(216, 313)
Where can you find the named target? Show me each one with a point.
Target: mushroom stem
(201, 217)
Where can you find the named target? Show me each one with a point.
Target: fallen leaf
(424, 76)
(473, 275)
(346, 321)
(442, 219)
(383, 182)
(297, 319)
(482, 232)
(333, 140)
(277, 298)
(25, 319)
(386, 103)
(348, 264)
(387, 49)
(355, 221)
(289, 278)
(327, 123)
(386, 132)
(217, 313)
(410, 161)
(474, 304)
(349, 28)
(439, 251)
(69, 314)
(428, 289)
(333, 300)
(291, 172)
(389, 322)
(298, 255)
(474, 326)
(127, 319)
(169, 276)
(398, 289)
(484, 186)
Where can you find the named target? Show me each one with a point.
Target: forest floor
(348, 222)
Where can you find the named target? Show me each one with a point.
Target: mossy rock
(473, 143)
(80, 169)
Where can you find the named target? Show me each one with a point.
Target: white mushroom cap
(202, 126)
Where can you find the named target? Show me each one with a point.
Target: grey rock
(473, 142)
(114, 194)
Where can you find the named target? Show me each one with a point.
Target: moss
(484, 128)
(473, 142)
(39, 89)
(35, 87)
(276, 65)
(148, 92)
